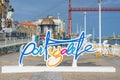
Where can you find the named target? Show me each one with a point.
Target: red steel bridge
(71, 9)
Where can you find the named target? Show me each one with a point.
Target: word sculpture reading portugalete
(54, 56)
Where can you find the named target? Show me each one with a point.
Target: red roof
(28, 24)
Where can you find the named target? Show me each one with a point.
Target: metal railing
(109, 50)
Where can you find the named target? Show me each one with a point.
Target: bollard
(97, 55)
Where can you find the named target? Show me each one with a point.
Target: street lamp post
(99, 3)
(77, 29)
(58, 21)
(93, 33)
(85, 21)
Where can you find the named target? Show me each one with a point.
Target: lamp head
(99, 1)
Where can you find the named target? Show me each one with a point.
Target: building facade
(4, 6)
(28, 28)
(41, 26)
(55, 25)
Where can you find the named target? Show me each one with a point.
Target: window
(48, 27)
(42, 29)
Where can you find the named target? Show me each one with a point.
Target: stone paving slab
(85, 60)
(47, 76)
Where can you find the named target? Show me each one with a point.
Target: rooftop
(28, 24)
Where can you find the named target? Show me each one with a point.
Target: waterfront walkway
(13, 42)
(85, 60)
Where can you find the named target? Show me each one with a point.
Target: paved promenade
(85, 60)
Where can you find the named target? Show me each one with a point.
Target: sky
(28, 10)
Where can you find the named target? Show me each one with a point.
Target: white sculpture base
(24, 69)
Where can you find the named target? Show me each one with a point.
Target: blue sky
(27, 10)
